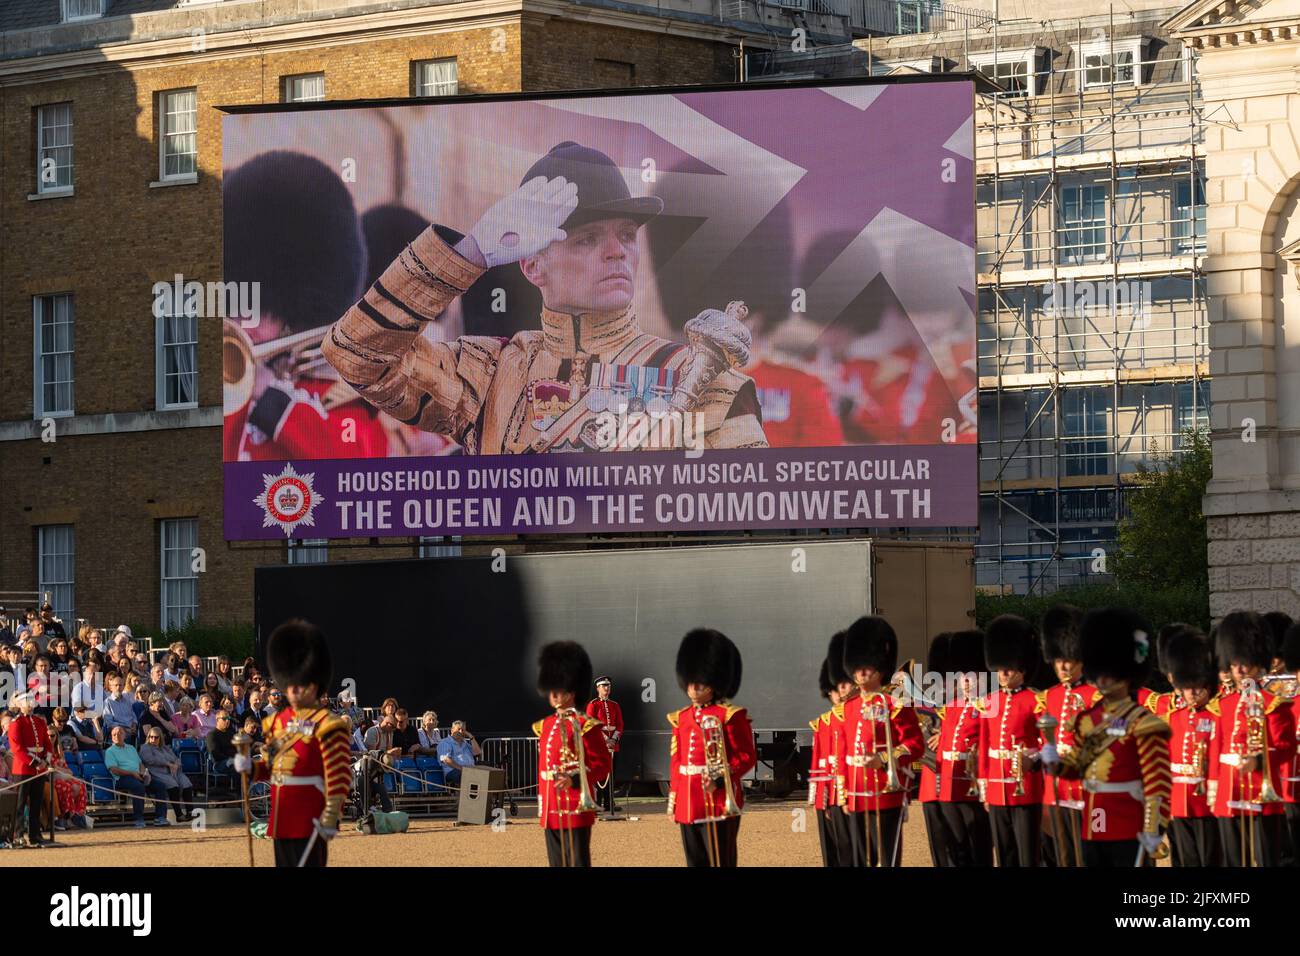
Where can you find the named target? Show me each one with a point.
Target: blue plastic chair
(191, 762)
(99, 790)
(433, 779)
(427, 763)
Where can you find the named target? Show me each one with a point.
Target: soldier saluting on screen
(605, 709)
(572, 757)
(572, 225)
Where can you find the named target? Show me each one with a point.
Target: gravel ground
(768, 837)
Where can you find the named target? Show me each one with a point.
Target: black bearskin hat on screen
(1010, 644)
(1244, 637)
(1117, 643)
(563, 666)
(1187, 656)
(1061, 633)
(297, 655)
(835, 658)
(871, 642)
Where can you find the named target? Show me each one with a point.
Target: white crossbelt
(1132, 787)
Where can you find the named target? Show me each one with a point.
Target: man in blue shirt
(457, 751)
(130, 776)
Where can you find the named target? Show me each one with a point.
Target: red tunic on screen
(871, 724)
(1190, 735)
(1009, 722)
(959, 731)
(301, 426)
(796, 407)
(687, 801)
(821, 778)
(610, 716)
(901, 399)
(558, 809)
(308, 769)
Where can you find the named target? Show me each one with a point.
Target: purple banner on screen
(774, 488)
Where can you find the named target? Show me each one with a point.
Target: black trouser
(183, 798)
(1268, 832)
(936, 835)
(1194, 841)
(31, 795)
(375, 781)
(1015, 834)
(1059, 849)
(1110, 853)
(831, 833)
(967, 836)
(1291, 856)
(699, 846)
(289, 852)
(571, 847)
(876, 838)
(605, 794)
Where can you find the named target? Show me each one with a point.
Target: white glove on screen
(526, 221)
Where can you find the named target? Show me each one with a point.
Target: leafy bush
(234, 639)
(1187, 602)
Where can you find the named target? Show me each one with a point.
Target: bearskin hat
(1061, 633)
(835, 658)
(291, 226)
(871, 642)
(1010, 643)
(732, 687)
(1244, 637)
(1116, 642)
(1166, 634)
(936, 660)
(388, 230)
(563, 666)
(1279, 622)
(1291, 648)
(707, 657)
(296, 654)
(1188, 658)
(966, 652)
(824, 685)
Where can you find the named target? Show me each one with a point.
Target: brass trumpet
(240, 358)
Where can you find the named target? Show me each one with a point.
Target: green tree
(1162, 542)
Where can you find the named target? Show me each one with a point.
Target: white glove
(526, 221)
(1048, 755)
(1150, 841)
(326, 833)
(243, 763)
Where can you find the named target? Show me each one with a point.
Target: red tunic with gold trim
(687, 801)
(1163, 705)
(1009, 725)
(1190, 736)
(959, 738)
(821, 778)
(305, 419)
(1143, 695)
(1121, 754)
(1067, 793)
(309, 771)
(558, 809)
(1237, 790)
(871, 723)
(610, 716)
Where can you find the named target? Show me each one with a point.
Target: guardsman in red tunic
(1064, 702)
(1010, 782)
(1121, 749)
(821, 778)
(1253, 745)
(711, 749)
(29, 743)
(882, 739)
(307, 749)
(1188, 658)
(1164, 703)
(573, 759)
(1288, 688)
(956, 821)
(606, 710)
(837, 820)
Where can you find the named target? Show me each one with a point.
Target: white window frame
(1075, 254)
(307, 551)
(187, 562)
(287, 88)
(160, 363)
(162, 111)
(1134, 46)
(42, 187)
(39, 410)
(63, 10)
(1188, 218)
(1030, 57)
(55, 541)
(418, 78)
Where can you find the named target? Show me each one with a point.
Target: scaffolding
(1092, 344)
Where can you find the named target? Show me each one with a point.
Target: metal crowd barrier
(517, 756)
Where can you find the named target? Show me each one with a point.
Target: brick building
(110, 164)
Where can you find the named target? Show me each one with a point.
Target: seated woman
(164, 765)
(69, 791)
(184, 722)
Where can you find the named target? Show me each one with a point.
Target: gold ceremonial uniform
(494, 396)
